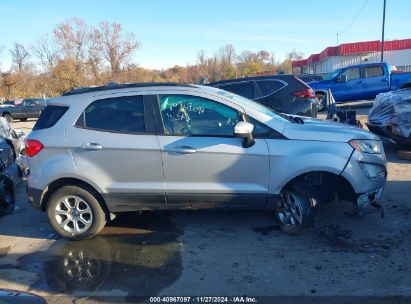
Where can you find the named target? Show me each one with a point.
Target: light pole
(383, 27)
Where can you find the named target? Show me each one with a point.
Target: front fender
(292, 158)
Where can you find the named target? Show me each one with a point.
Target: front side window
(244, 88)
(374, 71)
(121, 114)
(186, 115)
(352, 74)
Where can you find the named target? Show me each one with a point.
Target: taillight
(33, 147)
(307, 93)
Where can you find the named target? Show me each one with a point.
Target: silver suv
(98, 151)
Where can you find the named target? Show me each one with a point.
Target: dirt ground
(341, 258)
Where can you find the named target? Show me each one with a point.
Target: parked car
(7, 103)
(282, 93)
(390, 116)
(10, 173)
(363, 81)
(28, 108)
(98, 151)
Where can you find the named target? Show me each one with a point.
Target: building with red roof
(396, 53)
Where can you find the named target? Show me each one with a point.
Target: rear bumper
(34, 197)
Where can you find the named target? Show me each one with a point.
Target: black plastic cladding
(125, 86)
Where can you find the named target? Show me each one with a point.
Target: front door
(352, 89)
(113, 146)
(204, 164)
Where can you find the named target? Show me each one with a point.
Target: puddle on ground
(136, 256)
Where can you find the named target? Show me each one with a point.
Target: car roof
(276, 76)
(114, 86)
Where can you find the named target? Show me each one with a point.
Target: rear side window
(374, 71)
(268, 87)
(120, 114)
(49, 117)
(244, 89)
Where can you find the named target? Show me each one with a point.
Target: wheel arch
(323, 184)
(71, 181)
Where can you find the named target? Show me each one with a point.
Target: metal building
(396, 53)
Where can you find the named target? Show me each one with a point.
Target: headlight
(367, 145)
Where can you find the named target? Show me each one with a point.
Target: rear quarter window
(49, 117)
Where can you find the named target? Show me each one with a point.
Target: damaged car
(11, 143)
(98, 151)
(390, 116)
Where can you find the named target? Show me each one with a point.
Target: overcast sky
(173, 32)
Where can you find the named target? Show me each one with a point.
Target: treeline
(76, 54)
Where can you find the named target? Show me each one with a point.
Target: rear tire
(75, 213)
(8, 118)
(293, 211)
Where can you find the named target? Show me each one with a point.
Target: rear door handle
(182, 150)
(361, 82)
(91, 146)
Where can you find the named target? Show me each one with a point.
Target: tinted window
(49, 117)
(245, 88)
(191, 115)
(374, 71)
(268, 87)
(352, 73)
(121, 114)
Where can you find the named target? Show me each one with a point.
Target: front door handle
(182, 150)
(361, 82)
(91, 146)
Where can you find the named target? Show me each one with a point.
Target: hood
(319, 130)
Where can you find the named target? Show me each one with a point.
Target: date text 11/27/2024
(239, 299)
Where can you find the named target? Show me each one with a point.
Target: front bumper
(367, 190)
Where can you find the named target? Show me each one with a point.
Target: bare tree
(45, 50)
(226, 54)
(19, 56)
(117, 48)
(73, 39)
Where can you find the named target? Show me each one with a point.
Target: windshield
(332, 75)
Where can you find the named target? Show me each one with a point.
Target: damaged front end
(7, 196)
(11, 143)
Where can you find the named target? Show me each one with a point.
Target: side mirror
(244, 130)
(341, 78)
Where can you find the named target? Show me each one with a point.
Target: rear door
(204, 164)
(113, 144)
(375, 81)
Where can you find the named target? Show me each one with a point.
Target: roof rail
(114, 86)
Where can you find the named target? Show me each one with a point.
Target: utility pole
(383, 28)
